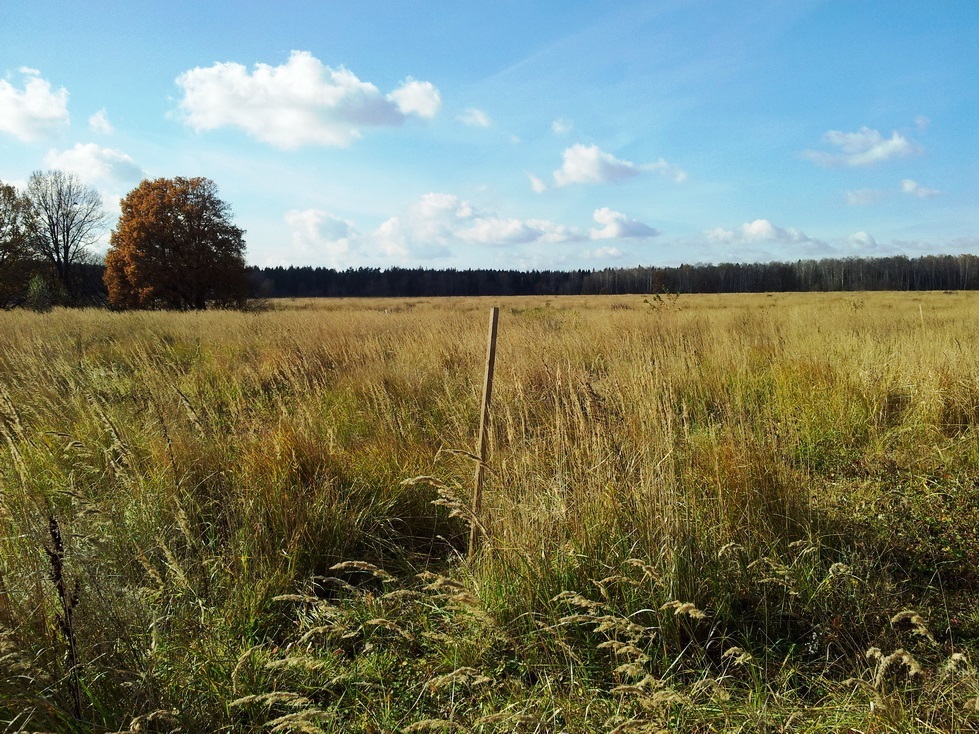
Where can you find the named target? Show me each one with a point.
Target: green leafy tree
(175, 246)
(15, 257)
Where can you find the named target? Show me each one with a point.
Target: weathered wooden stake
(483, 431)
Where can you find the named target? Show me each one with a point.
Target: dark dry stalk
(166, 436)
(56, 555)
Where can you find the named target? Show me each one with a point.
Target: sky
(526, 135)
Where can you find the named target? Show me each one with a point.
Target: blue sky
(572, 134)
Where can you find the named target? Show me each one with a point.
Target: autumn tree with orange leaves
(175, 246)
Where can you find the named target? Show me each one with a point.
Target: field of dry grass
(702, 514)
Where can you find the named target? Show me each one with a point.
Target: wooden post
(477, 502)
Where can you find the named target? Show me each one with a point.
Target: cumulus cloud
(444, 220)
(95, 164)
(862, 148)
(616, 225)
(862, 197)
(34, 112)
(99, 123)
(302, 102)
(588, 164)
(447, 220)
(863, 241)
(438, 225)
(417, 98)
(496, 231)
(475, 118)
(760, 230)
(319, 236)
(908, 186)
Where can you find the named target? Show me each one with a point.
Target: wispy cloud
(909, 186)
(34, 112)
(537, 184)
(666, 169)
(603, 253)
(99, 123)
(865, 147)
(863, 197)
(562, 126)
(475, 118)
(302, 102)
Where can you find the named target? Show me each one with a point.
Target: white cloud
(586, 164)
(862, 197)
(94, 163)
(616, 225)
(760, 241)
(913, 188)
(552, 233)
(922, 122)
(562, 126)
(99, 123)
(301, 102)
(495, 231)
(603, 253)
(34, 113)
(760, 230)
(434, 227)
(475, 118)
(589, 164)
(438, 226)
(536, 184)
(319, 236)
(417, 98)
(863, 241)
(446, 220)
(666, 169)
(862, 148)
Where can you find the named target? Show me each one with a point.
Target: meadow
(741, 513)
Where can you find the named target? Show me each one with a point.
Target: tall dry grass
(700, 511)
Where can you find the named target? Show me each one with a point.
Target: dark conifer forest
(932, 272)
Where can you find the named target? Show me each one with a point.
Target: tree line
(897, 273)
(175, 246)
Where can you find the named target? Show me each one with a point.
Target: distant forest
(931, 272)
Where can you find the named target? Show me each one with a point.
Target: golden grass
(670, 480)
